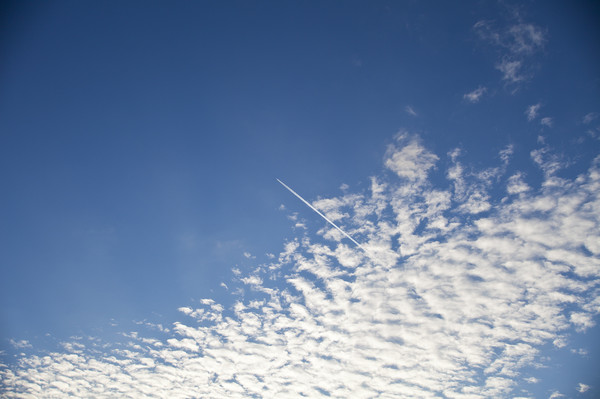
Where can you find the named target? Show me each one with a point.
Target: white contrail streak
(323, 216)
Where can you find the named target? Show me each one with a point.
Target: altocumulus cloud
(447, 299)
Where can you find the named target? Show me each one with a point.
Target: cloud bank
(452, 297)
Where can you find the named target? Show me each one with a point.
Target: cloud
(594, 133)
(532, 111)
(580, 351)
(582, 321)
(517, 43)
(410, 110)
(588, 118)
(547, 121)
(581, 388)
(516, 39)
(524, 38)
(547, 161)
(411, 161)
(475, 95)
(516, 184)
(445, 302)
(511, 70)
(21, 344)
(506, 153)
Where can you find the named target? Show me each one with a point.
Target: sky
(147, 248)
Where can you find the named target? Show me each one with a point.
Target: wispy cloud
(516, 184)
(475, 95)
(410, 110)
(524, 38)
(454, 305)
(588, 118)
(546, 121)
(21, 344)
(581, 388)
(594, 133)
(532, 111)
(547, 161)
(517, 42)
(511, 70)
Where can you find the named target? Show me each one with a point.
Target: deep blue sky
(140, 141)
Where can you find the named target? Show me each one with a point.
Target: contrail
(323, 216)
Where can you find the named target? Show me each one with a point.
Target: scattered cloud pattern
(22, 344)
(454, 296)
(517, 42)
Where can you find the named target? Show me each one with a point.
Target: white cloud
(475, 95)
(506, 153)
(252, 280)
(488, 32)
(410, 110)
(549, 162)
(516, 184)
(516, 39)
(594, 133)
(21, 344)
(588, 118)
(532, 111)
(547, 121)
(581, 388)
(411, 161)
(517, 42)
(580, 351)
(582, 321)
(525, 38)
(441, 304)
(511, 70)
(559, 342)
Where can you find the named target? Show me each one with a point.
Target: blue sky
(148, 249)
